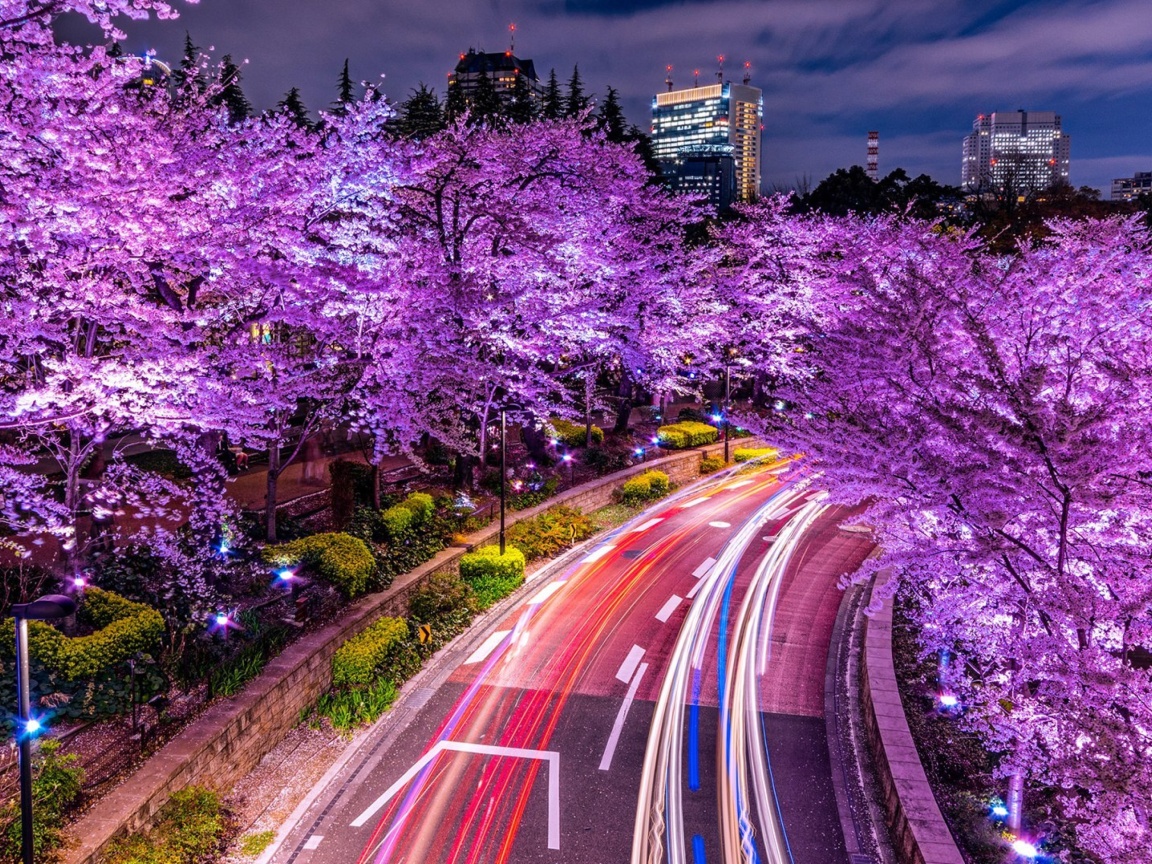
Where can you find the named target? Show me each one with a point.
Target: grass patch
(253, 844)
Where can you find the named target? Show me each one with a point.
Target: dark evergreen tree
(455, 105)
(420, 115)
(292, 105)
(228, 92)
(610, 118)
(553, 107)
(117, 50)
(576, 103)
(522, 107)
(486, 107)
(345, 92)
(188, 74)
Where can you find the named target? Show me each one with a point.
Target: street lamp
(504, 409)
(571, 469)
(728, 355)
(47, 608)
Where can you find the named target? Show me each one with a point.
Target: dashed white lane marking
(598, 554)
(630, 663)
(647, 525)
(695, 589)
(523, 639)
(546, 592)
(702, 571)
(738, 484)
(695, 501)
(313, 842)
(621, 716)
(720, 524)
(487, 648)
(668, 608)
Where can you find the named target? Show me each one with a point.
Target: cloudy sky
(916, 70)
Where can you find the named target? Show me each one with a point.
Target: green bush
(421, 505)
(658, 482)
(397, 520)
(529, 497)
(687, 433)
(189, 831)
(551, 532)
(442, 600)
(56, 784)
(636, 491)
(747, 454)
(340, 559)
(492, 576)
(356, 661)
(347, 709)
(711, 464)
(253, 844)
(573, 434)
(123, 629)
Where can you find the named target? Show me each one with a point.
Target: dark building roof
(476, 62)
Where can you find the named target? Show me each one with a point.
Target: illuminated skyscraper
(725, 117)
(1020, 150)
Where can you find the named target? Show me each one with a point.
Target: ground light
(48, 608)
(1025, 849)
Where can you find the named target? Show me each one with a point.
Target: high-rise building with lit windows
(501, 68)
(1020, 150)
(723, 115)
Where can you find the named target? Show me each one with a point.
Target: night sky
(916, 70)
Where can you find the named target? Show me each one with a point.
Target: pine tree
(292, 105)
(487, 108)
(346, 95)
(610, 118)
(522, 107)
(420, 115)
(553, 108)
(642, 147)
(455, 105)
(577, 102)
(228, 91)
(188, 74)
(117, 50)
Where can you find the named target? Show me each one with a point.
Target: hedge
(410, 513)
(647, 487)
(659, 483)
(746, 454)
(341, 559)
(573, 434)
(711, 464)
(124, 629)
(356, 661)
(687, 433)
(492, 576)
(550, 532)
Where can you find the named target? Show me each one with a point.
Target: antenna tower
(695, 77)
(668, 76)
(512, 38)
(747, 72)
(720, 70)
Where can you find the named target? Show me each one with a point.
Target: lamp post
(728, 355)
(47, 608)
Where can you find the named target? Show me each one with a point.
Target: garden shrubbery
(340, 559)
(647, 487)
(492, 576)
(711, 464)
(189, 831)
(687, 433)
(56, 784)
(551, 532)
(747, 454)
(573, 434)
(356, 661)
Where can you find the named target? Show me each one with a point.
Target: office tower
(1127, 188)
(501, 68)
(1015, 151)
(724, 118)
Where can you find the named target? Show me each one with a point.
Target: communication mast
(873, 156)
(720, 71)
(668, 76)
(695, 77)
(512, 38)
(747, 72)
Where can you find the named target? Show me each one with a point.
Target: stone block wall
(234, 734)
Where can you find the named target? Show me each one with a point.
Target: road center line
(630, 663)
(598, 554)
(621, 716)
(704, 568)
(695, 501)
(668, 608)
(647, 525)
(487, 648)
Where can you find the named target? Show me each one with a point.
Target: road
(614, 676)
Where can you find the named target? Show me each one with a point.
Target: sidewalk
(249, 488)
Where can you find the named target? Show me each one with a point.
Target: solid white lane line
(695, 501)
(668, 608)
(621, 716)
(738, 484)
(598, 554)
(487, 648)
(546, 592)
(647, 525)
(313, 842)
(704, 568)
(630, 663)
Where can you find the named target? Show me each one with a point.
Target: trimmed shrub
(492, 576)
(636, 491)
(747, 454)
(658, 481)
(421, 505)
(397, 520)
(551, 532)
(711, 464)
(687, 433)
(573, 434)
(356, 661)
(189, 831)
(340, 559)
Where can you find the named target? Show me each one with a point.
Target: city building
(502, 68)
(707, 172)
(1020, 150)
(723, 115)
(1127, 188)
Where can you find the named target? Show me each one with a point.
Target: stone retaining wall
(919, 833)
(234, 734)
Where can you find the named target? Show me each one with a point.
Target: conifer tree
(229, 93)
(577, 102)
(553, 108)
(346, 95)
(455, 105)
(420, 115)
(292, 105)
(610, 118)
(486, 106)
(522, 107)
(188, 73)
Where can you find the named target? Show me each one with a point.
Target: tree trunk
(589, 390)
(536, 443)
(270, 495)
(72, 504)
(624, 411)
(376, 486)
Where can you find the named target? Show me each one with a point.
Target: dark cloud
(917, 70)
